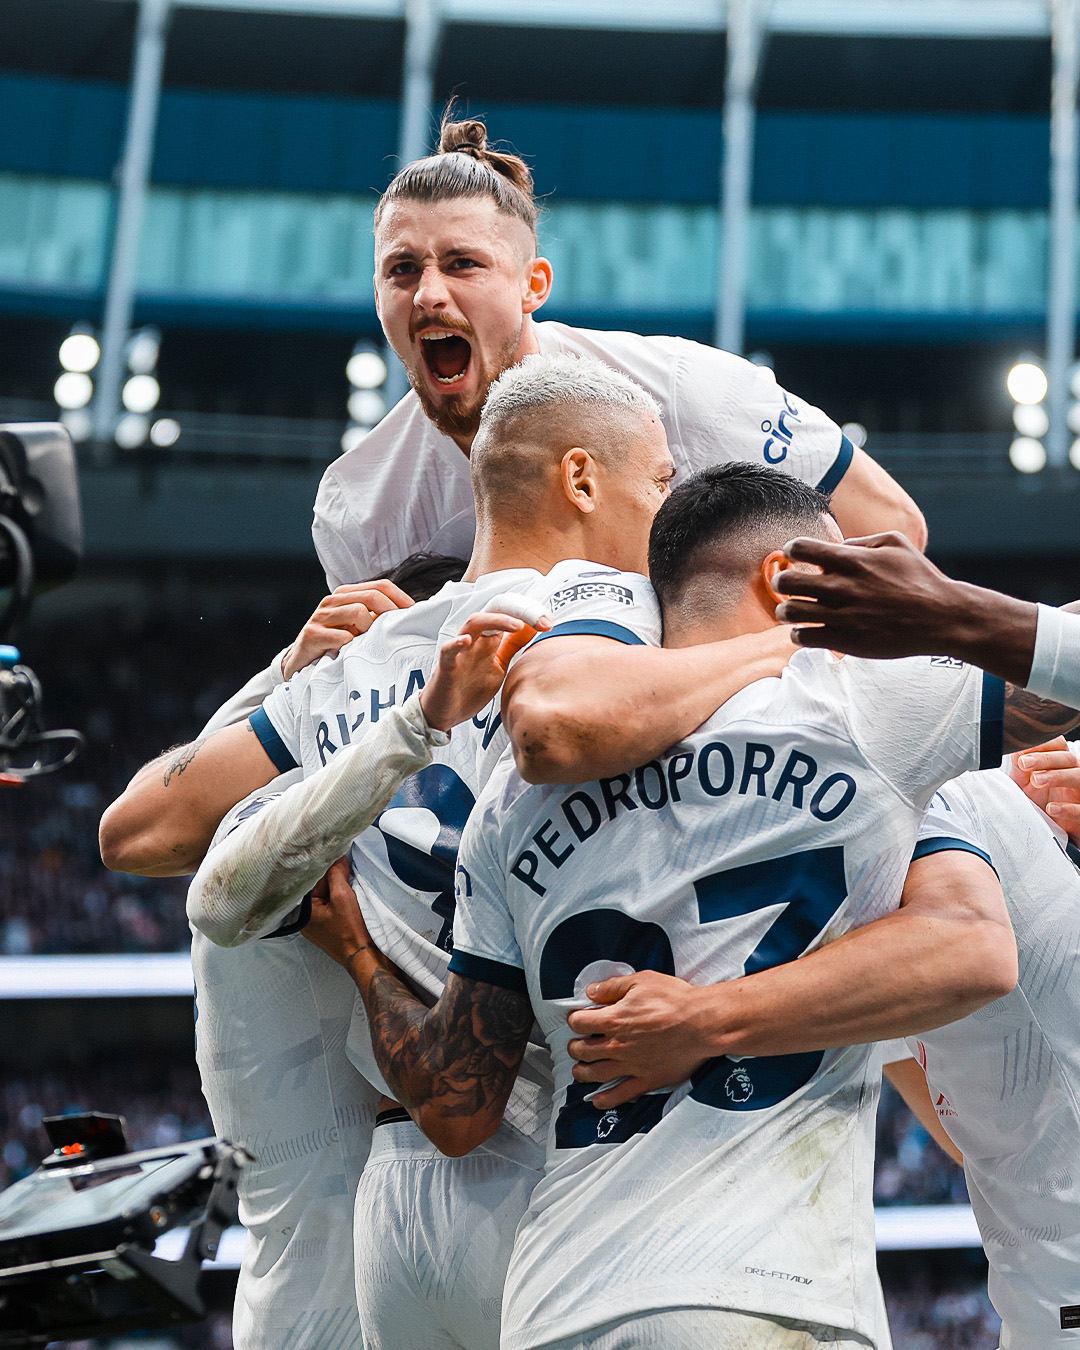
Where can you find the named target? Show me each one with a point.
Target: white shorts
(709, 1329)
(272, 1017)
(433, 1237)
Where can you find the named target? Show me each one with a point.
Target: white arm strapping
(253, 877)
(1055, 668)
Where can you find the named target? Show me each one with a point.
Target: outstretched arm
(880, 597)
(163, 821)
(584, 707)
(948, 950)
(254, 876)
(451, 1066)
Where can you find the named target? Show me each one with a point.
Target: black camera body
(78, 1236)
(39, 494)
(41, 541)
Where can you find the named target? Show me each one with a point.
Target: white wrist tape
(254, 876)
(1055, 668)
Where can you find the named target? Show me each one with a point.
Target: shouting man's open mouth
(447, 356)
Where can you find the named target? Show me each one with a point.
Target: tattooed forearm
(176, 766)
(1030, 720)
(460, 1057)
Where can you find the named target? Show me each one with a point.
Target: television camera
(40, 547)
(87, 1240)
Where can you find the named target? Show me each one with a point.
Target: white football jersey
(1005, 1080)
(403, 866)
(406, 486)
(783, 822)
(272, 1020)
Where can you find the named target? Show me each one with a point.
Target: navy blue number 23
(811, 886)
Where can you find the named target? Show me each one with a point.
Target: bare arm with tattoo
(1030, 720)
(163, 821)
(451, 1066)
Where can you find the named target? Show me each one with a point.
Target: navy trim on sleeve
(944, 844)
(488, 971)
(992, 717)
(594, 628)
(271, 742)
(303, 918)
(839, 467)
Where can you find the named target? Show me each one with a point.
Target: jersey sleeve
(924, 720)
(893, 1052)
(729, 409)
(586, 599)
(331, 530)
(485, 945)
(277, 727)
(950, 824)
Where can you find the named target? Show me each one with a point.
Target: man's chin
(454, 415)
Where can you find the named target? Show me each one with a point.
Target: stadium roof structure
(741, 27)
(870, 18)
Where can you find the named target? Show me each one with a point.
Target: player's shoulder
(404, 426)
(503, 796)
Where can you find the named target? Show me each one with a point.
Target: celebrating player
(1004, 1084)
(458, 284)
(799, 798)
(541, 496)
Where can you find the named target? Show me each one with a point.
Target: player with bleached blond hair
(570, 463)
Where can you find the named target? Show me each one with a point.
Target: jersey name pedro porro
(786, 820)
(403, 866)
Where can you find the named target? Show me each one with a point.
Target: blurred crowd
(910, 1169)
(135, 681)
(159, 1097)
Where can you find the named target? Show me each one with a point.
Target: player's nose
(431, 293)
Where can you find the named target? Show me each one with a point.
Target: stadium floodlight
(79, 352)
(78, 423)
(365, 369)
(140, 393)
(131, 431)
(855, 432)
(165, 432)
(1031, 419)
(73, 389)
(366, 406)
(1074, 454)
(143, 349)
(1027, 382)
(1027, 455)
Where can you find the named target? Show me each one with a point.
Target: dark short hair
(422, 575)
(728, 506)
(466, 165)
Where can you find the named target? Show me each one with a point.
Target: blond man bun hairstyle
(465, 165)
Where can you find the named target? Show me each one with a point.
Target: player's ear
(537, 285)
(771, 568)
(577, 472)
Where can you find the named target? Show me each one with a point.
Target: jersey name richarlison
(403, 866)
(783, 822)
(1005, 1079)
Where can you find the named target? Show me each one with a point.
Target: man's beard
(455, 416)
